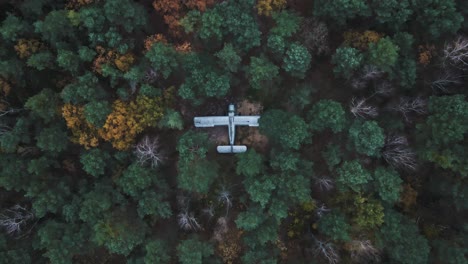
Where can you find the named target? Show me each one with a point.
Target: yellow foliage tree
(27, 47)
(123, 62)
(266, 7)
(361, 40)
(122, 125)
(83, 132)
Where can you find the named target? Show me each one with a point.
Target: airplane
(231, 120)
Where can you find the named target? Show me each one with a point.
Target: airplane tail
(231, 149)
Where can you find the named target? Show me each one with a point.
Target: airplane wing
(246, 120)
(211, 121)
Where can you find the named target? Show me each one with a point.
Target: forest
(361, 154)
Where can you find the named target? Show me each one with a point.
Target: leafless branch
(384, 88)
(13, 219)
(446, 80)
(456, 52)
(224, 196)
(187, 221)
(148, 150)
(361, 109)
(209, 211)
(325, 183)
(371, 72)
(326, 250)
(220, 229)
(321, 210)
(397, 153)
(151, 75)
(409, 105)
(315, 35)
(362, 251)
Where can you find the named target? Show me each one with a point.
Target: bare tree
(13, 219)
(6, 110)
(321, 210)
(409, 105)
(371, 72)
(315, 35)
(327, 251)
(4, 128)
(325, 183)
(224, 196)
(187, 221)
(384, 88)
(359, 108)
(220, 229)
(150, 75)
(362, 251)
(148, 150)
(446, 80)
(397, 153)
(358, 83)
(456, 52)
(209, 211)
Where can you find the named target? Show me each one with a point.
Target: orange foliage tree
(425, 54)
(266, 7)
(150, 40)
(361, 40)
(120, 61)
(27, 47)
(174, 10)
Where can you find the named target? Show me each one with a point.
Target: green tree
(438, 17)
(196, 173)
(287, 23)
(194, 251)
(383, 54)
(335, 226)
(352, 175)
(41, 60)
(85, 89)
(402, 240)
(56, 27)
(327, 114)
(367, 137)
(393, 13)
(96, 112)
(61, 241)
(52, 139)
(171, 120)
(260, 189)
(152, 203)
(44, 104)
(347, 60)
(288, 130)
(119, 233)
(388, 184)
(443, 133)
(297, 60)
(94, 161)
(164, 58)
(261, 73)
(229, 58)
(332, 155)
(157, 252)
(341, 11)
(135, 179)
(125, 13)
(12, 27)
(249, 163)
(68, 60)
(369, 212)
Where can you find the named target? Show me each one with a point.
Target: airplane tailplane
(231, 149)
